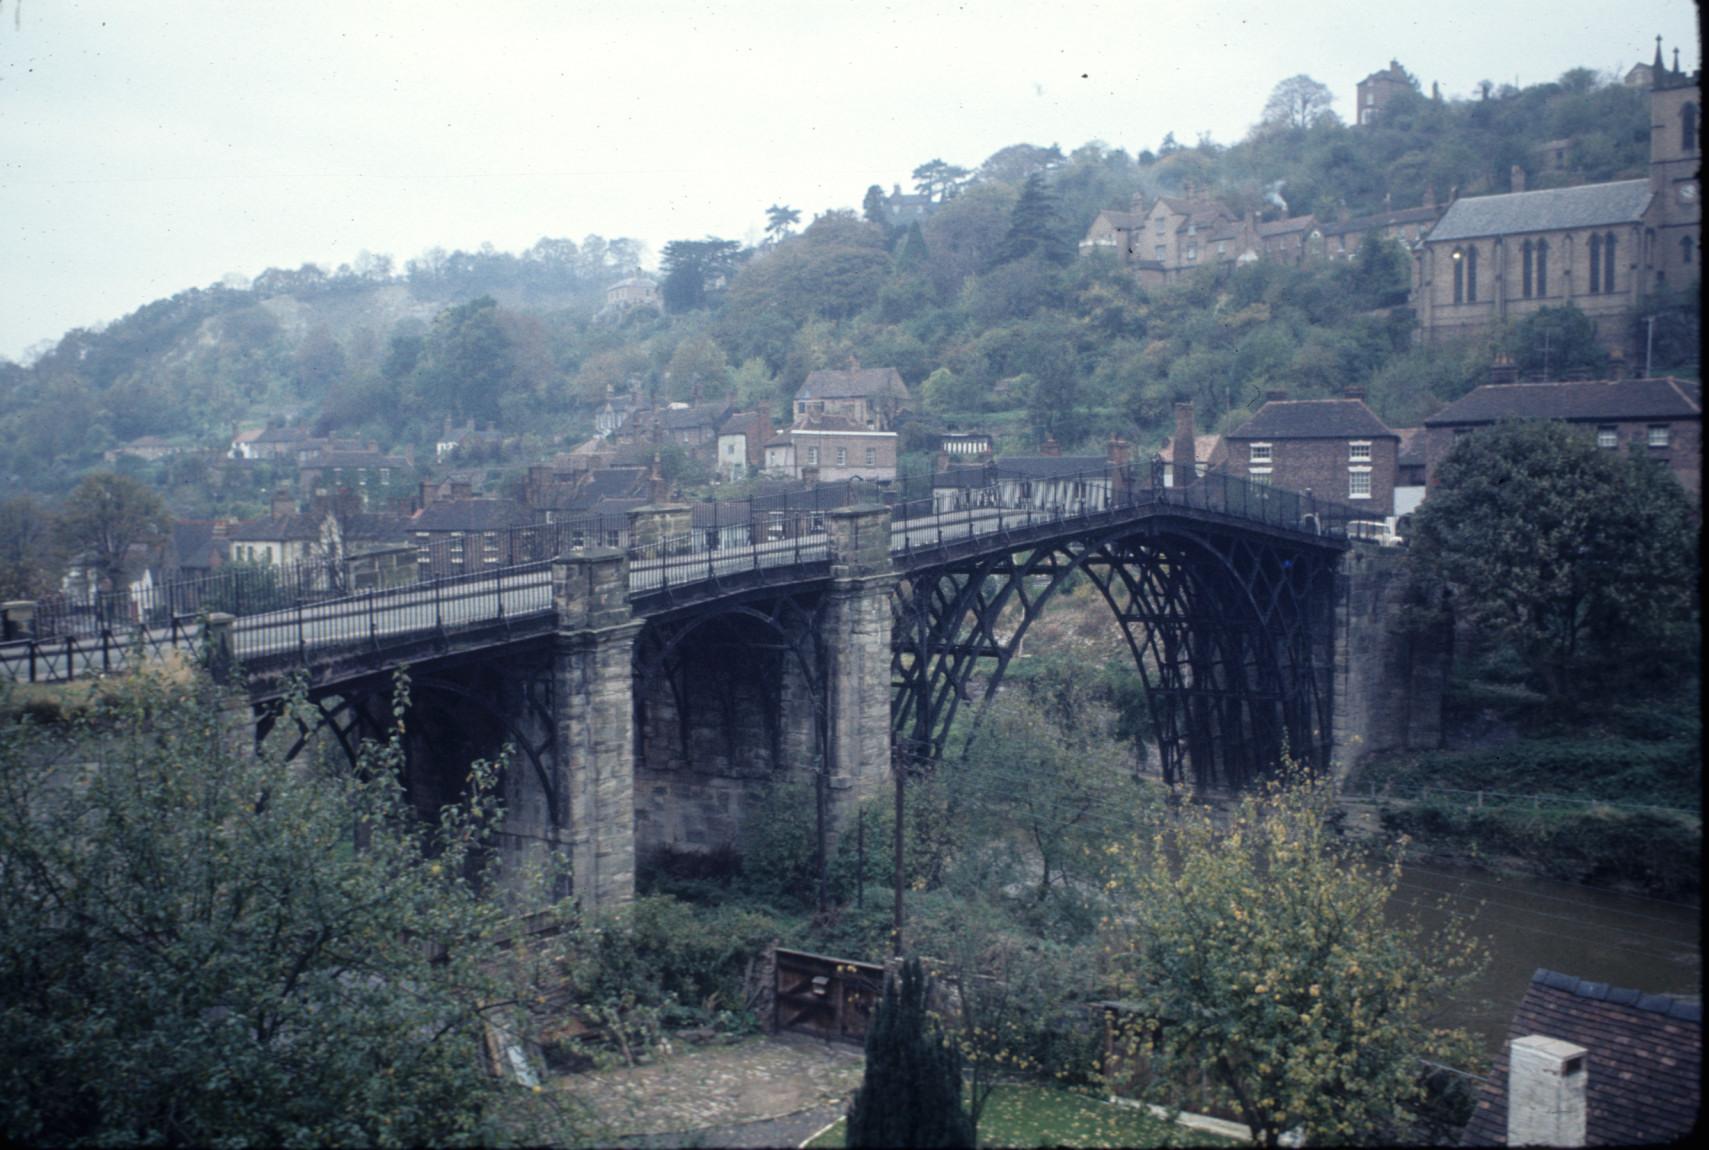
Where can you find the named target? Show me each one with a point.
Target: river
(1628, 940)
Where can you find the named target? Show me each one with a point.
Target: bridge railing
(994, 500)
(726, 540)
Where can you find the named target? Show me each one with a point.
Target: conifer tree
(911, 1095)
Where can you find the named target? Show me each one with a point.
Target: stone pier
(594, 747)
(854, 633)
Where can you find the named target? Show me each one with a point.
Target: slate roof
(1021, 467)
(686, 418)
(1645, 1059)
(375, 527)
(1552, 209)
(1620, 399)
(1412, 450)
(1384, 220)
(1205, 449)
(278, 528)
(611, 483)
(194, 543)
(860, 382)
(471, 515)
(1314, 419)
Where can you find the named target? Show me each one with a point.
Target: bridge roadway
(519, 598)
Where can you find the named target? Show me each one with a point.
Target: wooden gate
(828, 997)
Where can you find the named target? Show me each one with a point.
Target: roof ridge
(1673, 1006)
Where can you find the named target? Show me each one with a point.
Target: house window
(872, 457)
(1192, 229)
(812, 457)
(1159, 227)
(1160, 251)
(1358, 485)
(842, 457)
(1658, 435)
(1608, 437)
(1260, 453)
(1359, 452)
(1259, 478)
(1222, 248)
(1193, 252)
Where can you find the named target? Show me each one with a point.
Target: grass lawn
(1026, 1116)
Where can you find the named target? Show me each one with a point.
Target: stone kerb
(590, 589)
(661, 526)
(858, 539)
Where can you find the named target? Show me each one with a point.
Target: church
(1604, 248)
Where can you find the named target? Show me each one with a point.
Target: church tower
(1676, 154)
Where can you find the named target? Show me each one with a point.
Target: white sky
(150, 147)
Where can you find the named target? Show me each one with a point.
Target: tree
(1034, 228)
(468, 362)
(937, 180)
(29, 555)
(780, 220)
(1297, 103)
(1259, 964)
(195, 948)
(691, 267)
(1552, 341)
(874, 208)
(107, 514)
(1576, 557)
(910, 1094)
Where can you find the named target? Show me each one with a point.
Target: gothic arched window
(1459, 258)
(1688, 128)
(1525, 270)
(1542, 267)
(1608, 261)
(1595, 264)
(1472, 274)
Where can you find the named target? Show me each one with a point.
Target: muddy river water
(1628, 940)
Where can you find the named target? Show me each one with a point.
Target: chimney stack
(1050, 446)
(1546, 1092)
(462, 489)
(426, 499)
(1516, 179)
(1503, 369)
(1117, 451)
(1182, 447)
(283, 504)
(222, 528)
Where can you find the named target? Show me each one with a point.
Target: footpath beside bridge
(651, 693)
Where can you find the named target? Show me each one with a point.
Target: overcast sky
(150, 147)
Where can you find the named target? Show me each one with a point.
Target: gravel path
(764, 1091)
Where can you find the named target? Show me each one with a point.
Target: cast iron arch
(1224, 627)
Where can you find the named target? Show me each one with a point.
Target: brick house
(463, 536)
(872, 397)
(1337, 449)
(1377, 89)
(1661, 419)
(832, 448)
(1589, 1064)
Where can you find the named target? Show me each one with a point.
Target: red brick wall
(1683, 454)
(1321, 466)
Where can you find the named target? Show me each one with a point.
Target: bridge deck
(516, 601)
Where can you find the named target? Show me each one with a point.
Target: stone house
(1589, 1064)
(1661, 419)
(691, 425)
(1336, 449)
(634, 291)
(832, 449)
(288, 540)
(872, 397)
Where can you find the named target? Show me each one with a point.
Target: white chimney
(1546, 1092)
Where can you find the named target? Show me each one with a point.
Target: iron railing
(289, 612)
